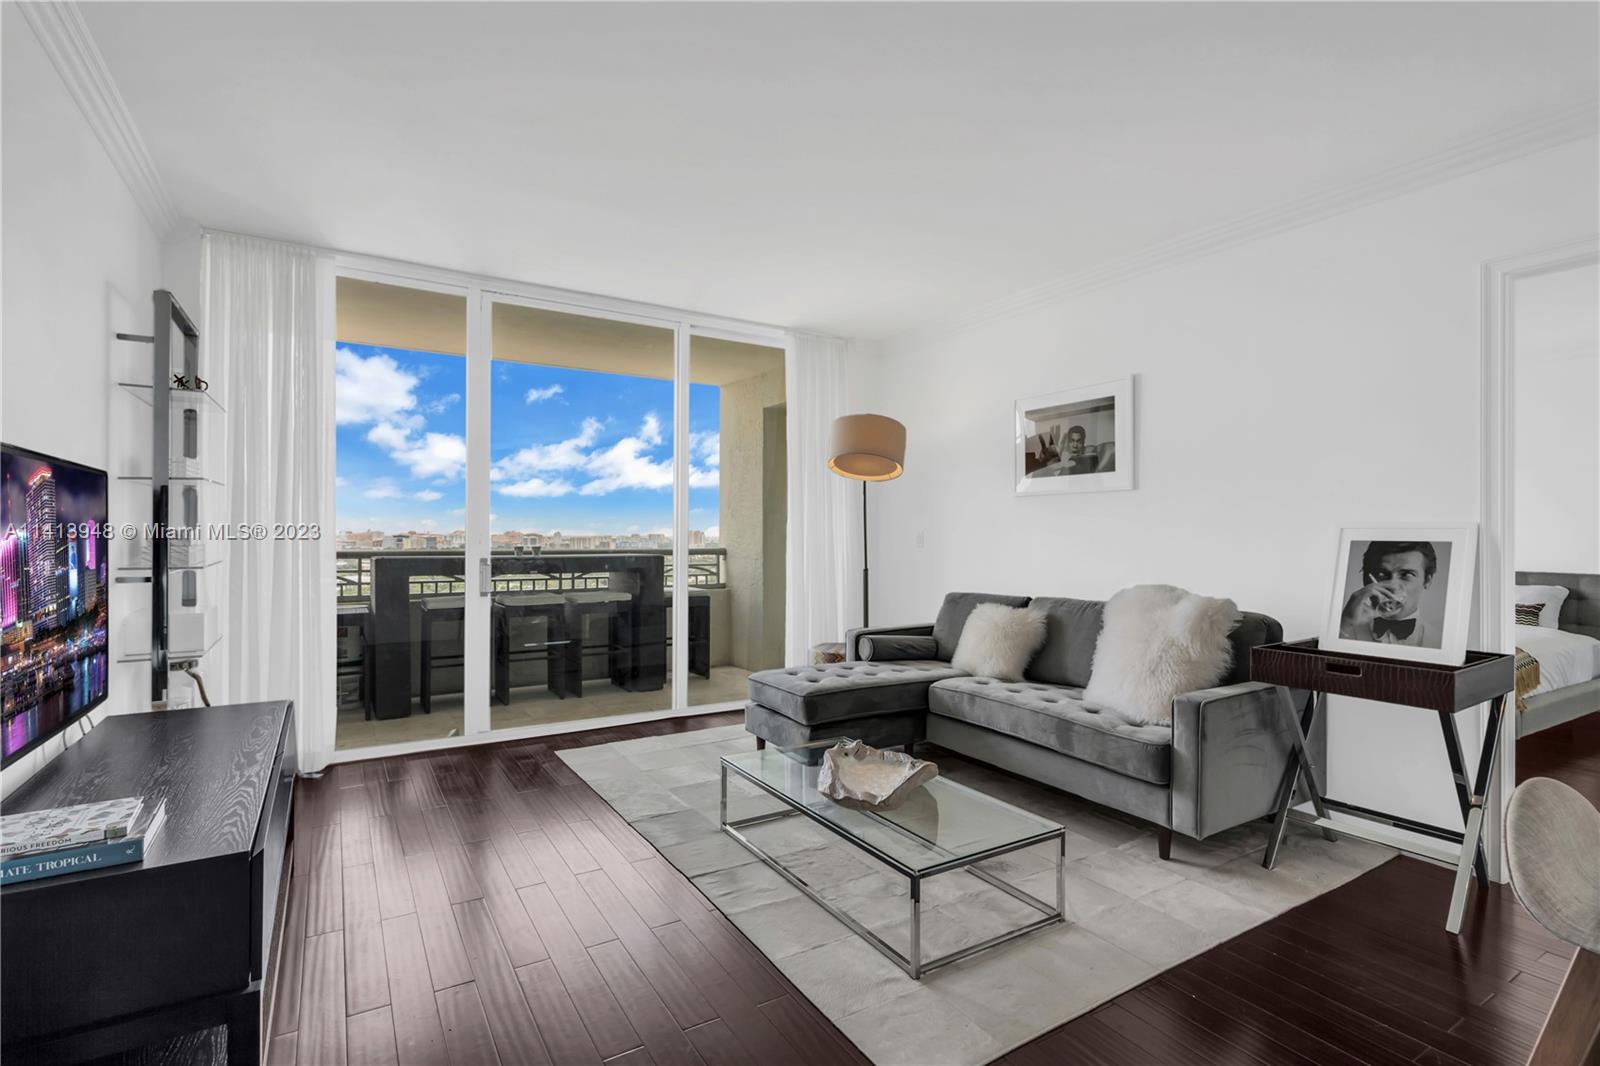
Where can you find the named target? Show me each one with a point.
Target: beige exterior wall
(752, 500)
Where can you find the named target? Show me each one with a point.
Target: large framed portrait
(1080, 440)
(1404, 592)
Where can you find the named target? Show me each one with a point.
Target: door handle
(483, 577)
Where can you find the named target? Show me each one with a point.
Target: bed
(1568, 656)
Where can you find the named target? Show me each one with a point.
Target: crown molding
(65, 37)
(1547, 130)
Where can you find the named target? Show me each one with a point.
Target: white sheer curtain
(262, 326)
(823, 513)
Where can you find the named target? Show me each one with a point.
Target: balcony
(584, 434)
(575, 635)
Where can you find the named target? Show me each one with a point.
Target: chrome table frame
(914, 965)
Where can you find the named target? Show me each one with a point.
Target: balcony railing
(353, 572)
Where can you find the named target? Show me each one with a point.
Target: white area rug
(1129, 915)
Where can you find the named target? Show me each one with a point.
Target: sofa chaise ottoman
(1218, 765)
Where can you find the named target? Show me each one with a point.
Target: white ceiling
(852, 168)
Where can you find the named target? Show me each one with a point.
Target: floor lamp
(867, 448)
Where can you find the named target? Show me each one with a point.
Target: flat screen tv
(53, 596)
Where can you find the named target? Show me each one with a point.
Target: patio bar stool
(435, 611)
(699, 632)
(617, 609)
(517, 618)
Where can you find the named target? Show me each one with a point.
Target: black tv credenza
(98, 962)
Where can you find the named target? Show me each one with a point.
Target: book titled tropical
(55, 828)
(99, 856)
(127, 846)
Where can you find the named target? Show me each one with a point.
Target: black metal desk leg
(1458, 774)
(1472, 843)
(1300, 762)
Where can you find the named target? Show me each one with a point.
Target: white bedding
(1564, 658)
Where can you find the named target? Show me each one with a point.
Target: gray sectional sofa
(1218, 765)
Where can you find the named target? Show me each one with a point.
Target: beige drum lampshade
(868, 447)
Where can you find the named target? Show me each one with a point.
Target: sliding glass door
(400, 384)
(580, 500)
(548, 514)
(738, 514)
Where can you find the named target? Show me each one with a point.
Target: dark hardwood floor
(484, 905)
(1363, 974)
(1569, 753)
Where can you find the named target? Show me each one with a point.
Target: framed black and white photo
(1404, 592)
(1079, 440)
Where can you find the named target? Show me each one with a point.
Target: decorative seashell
(856, 774)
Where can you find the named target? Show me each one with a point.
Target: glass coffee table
(943, 828)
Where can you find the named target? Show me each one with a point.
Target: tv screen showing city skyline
(53, 596)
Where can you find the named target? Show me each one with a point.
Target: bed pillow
(1551, 596)
(1157, 642)
(998, 641)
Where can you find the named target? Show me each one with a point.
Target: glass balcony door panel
(580, 415)
(400, 502)
(737, 497)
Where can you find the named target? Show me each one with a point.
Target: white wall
(79, 264)
(1556, 359)
(1321, 377)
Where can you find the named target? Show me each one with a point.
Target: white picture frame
(1386, 603)
(1076, 440)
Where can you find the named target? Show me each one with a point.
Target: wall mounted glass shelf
(201, 401)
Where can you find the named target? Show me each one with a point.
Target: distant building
(74, 606)
(43, 534)
(11, 578)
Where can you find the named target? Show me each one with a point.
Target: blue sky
(571, 450)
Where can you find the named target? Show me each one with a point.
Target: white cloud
(535, 486)
(713, 532)
(435, 455)
(708, 446)
(624, 465)
(537, 395)
(370, 389)
(428, 495)
(439, 403)
(569, 454)
(426, 454)
(382, 489)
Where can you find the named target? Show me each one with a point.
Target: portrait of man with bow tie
(1396, 584)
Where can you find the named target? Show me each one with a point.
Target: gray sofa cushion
(1072, 629)
(1253, 629)
(953, 616)
(837, 691)
(879, 730)
(1054, 717)
(888, 647)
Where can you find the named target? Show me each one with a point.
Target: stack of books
(69, 840)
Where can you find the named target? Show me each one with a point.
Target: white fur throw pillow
(1157, 642)
(998, 641)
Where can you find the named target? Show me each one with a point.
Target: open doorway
(1555, 523)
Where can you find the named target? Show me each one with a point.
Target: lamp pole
(864, 584)
(866, 448)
